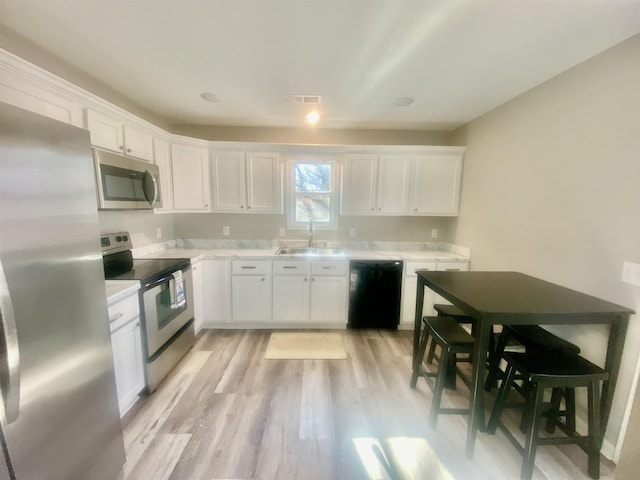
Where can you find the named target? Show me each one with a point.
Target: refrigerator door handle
(10, 371)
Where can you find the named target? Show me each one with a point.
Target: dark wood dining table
(512, 298)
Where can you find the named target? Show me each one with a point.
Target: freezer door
(65, 423)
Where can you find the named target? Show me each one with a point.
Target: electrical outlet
(631, 273)
(283, 232)
(226, 231)
(352, 232)
(158, 232)
(434, 233)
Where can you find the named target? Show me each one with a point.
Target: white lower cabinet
(251, 291)
(216, 292)
(313, 293)
(198, 297)
(409, 292)
(126, 342)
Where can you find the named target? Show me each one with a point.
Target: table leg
(617, 335)
(476, 415)
(418, 322)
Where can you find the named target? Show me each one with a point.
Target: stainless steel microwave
(125, 183)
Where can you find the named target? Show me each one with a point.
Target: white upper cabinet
(162, 156)
(394, 184)
(190, 175)
(112, 134)
(359, 181)
(376, 184)
(437, 184)
(246, 182)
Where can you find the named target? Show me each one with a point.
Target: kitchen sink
(309, 251)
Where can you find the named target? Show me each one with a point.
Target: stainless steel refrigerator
(58, 412)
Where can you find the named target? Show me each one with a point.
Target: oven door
(163, 315)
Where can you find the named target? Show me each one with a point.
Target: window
(313, 194)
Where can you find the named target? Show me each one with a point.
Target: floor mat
(305, 345)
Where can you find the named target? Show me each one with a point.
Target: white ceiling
(457, 59)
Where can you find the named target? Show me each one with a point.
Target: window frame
(292, 195)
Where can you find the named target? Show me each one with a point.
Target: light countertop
(118, 289)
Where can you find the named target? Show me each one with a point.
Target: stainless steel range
(166, 303)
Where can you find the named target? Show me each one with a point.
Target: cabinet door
(138, 144)
(290, 298)
(127, 360)
(198, 295)
(359, 184)
(394, 184)
(190, 174)
(228, 182)
(409, 292)
(251, 298)
(162, 156)
(105, 131)
(264, 193)
(328, 299)
(437, 184)
(217, 291)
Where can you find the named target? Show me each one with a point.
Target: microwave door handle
(153, 198)
(11, 368)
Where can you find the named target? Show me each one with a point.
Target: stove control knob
(118, 238)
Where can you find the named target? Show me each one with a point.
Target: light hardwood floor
(227, 413)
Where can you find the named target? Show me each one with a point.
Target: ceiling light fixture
(210, 97)
(313, 117)
(403, 101)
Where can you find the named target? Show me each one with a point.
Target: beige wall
(141, 224)
(313, 136)
(266, 227)
(551, 188)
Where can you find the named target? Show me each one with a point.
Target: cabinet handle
(242, 207)
(262, 279)
(116, 317)
(306, 279)
(329, 268)
(290, 267)
(415, 209)
(379, 209)
(129, 150)
(248, 207)
(121, 147)
(252, 267)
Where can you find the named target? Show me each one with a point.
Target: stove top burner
(148, 270)
(119, 263)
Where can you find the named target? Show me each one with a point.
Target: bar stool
(531, 337)
(453, 340)
(458, 315)
(556, 370)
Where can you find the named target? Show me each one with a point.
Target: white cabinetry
(190, 175)
(251, 291)
(112, 134)
(216, 301)
(409, 291)
(126, 342)
(437, 184)
(313, 293)
(376, 184)
(329, 294)
(403, 184)
(162, 157)
(246, 182)
(291, 291)
(198, 297)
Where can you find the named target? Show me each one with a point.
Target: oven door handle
(160, 280)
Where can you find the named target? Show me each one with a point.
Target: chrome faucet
(310, 232)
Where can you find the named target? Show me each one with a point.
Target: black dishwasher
(374, 293)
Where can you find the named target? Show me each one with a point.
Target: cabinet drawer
(291, 267)
(122, 312)
(329, 268)
(453, 266)
(250, 267)
(411, 268)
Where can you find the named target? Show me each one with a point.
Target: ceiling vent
(302, 99)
